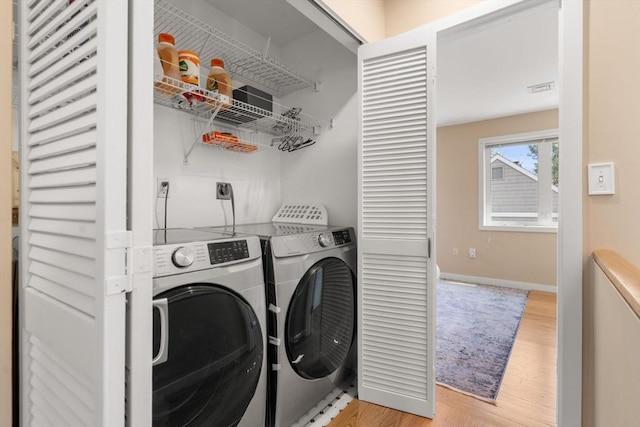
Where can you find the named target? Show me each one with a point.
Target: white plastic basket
(302, 213)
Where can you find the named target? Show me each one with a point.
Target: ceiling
(485, 73)
(270, 18)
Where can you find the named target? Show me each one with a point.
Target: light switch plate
(602, 179)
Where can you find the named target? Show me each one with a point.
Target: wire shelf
(241, 61)
(203, 103)
(230, 142)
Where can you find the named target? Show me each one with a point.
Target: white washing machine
(209, 324)
(310, 278)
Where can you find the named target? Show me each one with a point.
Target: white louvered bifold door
(396, 298)
(73, 66)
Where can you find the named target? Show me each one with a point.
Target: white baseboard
(498, 282)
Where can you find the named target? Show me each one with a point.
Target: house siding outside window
(510, 188)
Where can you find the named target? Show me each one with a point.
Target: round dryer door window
(214, 353)
(321, 319)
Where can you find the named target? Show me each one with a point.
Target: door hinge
(128, 261)
(117, 244)
(139, 261)
(429, 247)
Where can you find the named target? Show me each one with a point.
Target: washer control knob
(183, 257)
(323, 240)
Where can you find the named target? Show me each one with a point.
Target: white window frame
(484, 181)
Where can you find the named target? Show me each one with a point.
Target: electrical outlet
(472, 253)
(455, 251)
(223, 191)
(163, 188)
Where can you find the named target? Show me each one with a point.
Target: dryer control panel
(342, 237)
(307, 243)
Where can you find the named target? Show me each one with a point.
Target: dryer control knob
(183, 257)
(323, 240)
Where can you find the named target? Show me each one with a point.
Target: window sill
(521, 229)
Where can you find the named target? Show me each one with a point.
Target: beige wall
(367, 17)
(404, 15)
(611, 354)
(612, 133)
(515, 256)
(5, 213)
(612, 123)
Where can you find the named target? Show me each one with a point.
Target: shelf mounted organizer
(241, 61)
(244, 64)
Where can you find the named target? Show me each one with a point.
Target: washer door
(321, 319)
(215, 353)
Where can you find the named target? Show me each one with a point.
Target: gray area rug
(476, 328)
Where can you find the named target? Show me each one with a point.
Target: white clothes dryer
(209, 323)
(310, 279)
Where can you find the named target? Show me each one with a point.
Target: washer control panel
(220, 252)
(187, 257)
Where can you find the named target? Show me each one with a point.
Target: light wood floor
(527, 396)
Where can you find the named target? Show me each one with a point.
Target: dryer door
(214, 357)
(320, 321)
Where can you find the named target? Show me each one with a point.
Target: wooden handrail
(623, 274)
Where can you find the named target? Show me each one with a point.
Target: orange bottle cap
(165, 37)
(217, 62)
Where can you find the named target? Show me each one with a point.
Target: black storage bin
(249, 95)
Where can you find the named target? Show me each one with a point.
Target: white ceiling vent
(541, 87)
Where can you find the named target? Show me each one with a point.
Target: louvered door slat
(66, 228)
(53, 416)
(50, 71)
(76, 142)
(74, 145)
(63, 80)
(62, 277)
(85, 175)
(58, 376)
(85, 194)
(68, 245)
(41, 12)
(64, 212)
(60, 132)
(43, 31)
(59, 35)
(72, 160)
(67, 377)
(395, 274)
(84, 266)
(408, 89)
(36, 6)
(62, 97)
(54, 401)
(62, 114)
(69, 55)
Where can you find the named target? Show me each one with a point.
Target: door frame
(6, 146)
(569, 242)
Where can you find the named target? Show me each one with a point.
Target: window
(519, 182)
(497, 172)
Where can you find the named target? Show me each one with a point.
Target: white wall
(327, 171)
(192, 202)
